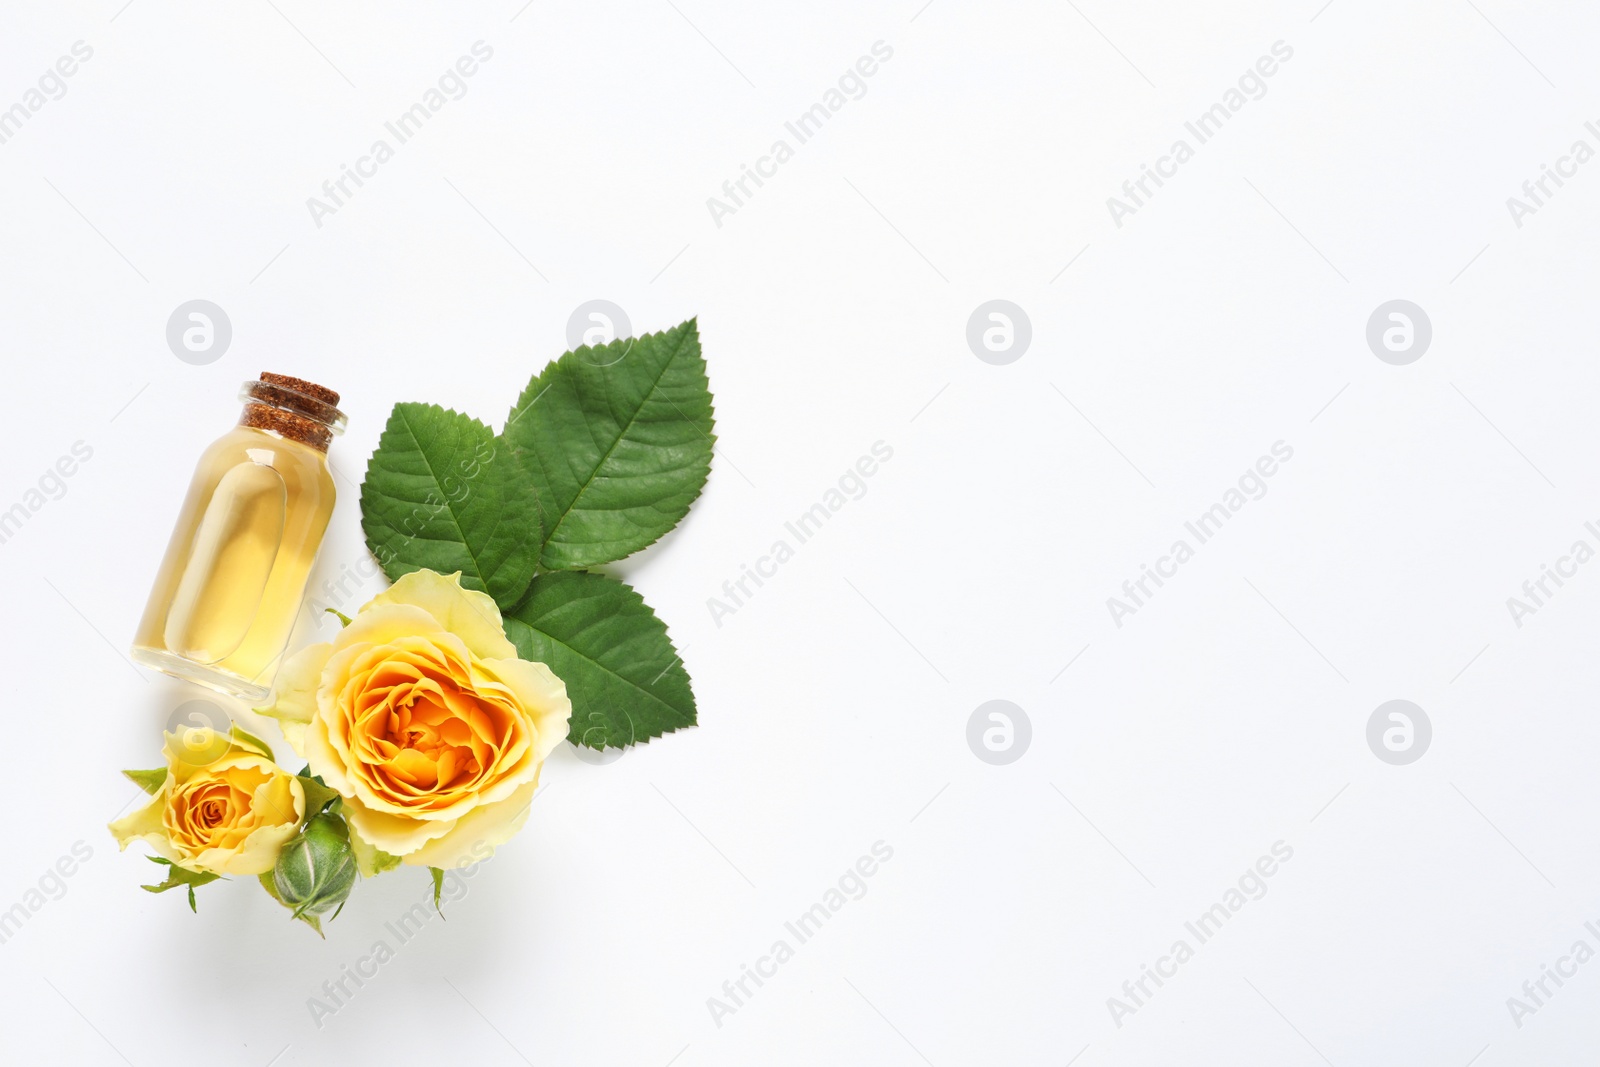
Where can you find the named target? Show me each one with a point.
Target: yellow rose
(423, 718)
(224, 808)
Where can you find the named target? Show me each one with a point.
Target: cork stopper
(304, 388)
(293, 408)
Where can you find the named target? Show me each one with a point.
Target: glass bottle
(235, 572)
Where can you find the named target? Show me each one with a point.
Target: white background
(1229, 713)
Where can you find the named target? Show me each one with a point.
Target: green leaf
(180, 876)
(341, 616)
(442, 492)
(318, 796)
(265, 878)
(438, 884)
(150, 781)
(619, 438)
(625, 679)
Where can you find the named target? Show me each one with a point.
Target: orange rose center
(427, 747)
(420, 735)
(210, 808)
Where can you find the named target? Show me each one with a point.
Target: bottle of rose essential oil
(235, 571)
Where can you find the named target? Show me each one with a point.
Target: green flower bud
(316, 868)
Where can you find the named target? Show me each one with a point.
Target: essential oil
(235, 572)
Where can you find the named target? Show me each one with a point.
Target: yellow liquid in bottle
(235, 572)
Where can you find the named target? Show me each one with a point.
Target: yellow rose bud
(224, 808)
(425, 721)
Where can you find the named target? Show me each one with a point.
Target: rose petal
(394, 834)
(471, 615)
(476, 836)
(544, 695)
(296, 700)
